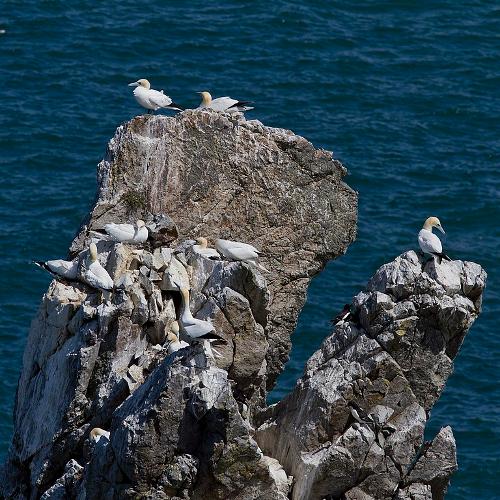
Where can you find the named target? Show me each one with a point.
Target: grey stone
(393, 363)
(262, 185)
(195, 425)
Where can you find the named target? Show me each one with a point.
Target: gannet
(239, 251)
(201, 248)
(95, 275)
(128, 233)
(360, 415)
(60, 268)
(343, 315)
(196, 329)
(225, 104)
(152, 99)
(429, 242)
(173, 338)
(96, 433)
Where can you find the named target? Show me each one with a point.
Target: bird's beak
(440, 228)
(133, 84)
(199, 92)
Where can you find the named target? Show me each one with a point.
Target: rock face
(223, 177)
(354, 424)
(193, 423)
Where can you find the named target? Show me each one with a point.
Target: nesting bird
(128, 233)
(236, 250)
(95, 275)
(202, 248)
(60, 268)
(152, 99)
(225, 104)
(174, 344)
(96, 433)
(429, 242)
(196, 329)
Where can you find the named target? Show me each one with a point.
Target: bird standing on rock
(174, 344)
(429, 242)
(224, 104)
(236, 250)
(196, 329)
(128, 233)
(201, 248)
(152, 99)
(95, 275)
(60, 268)
(96, 433)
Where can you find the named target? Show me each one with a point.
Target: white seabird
(60, 268)
(201, 248)
(95, 275)
(429, 242)
(225, 104)
(196, 329)
(96, 433)
(173, 338)
(236, 250)
(152, 99)
(128, 233)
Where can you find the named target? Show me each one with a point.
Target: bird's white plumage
(236, 250)
(95, 275)
(127, 233)
(96, 433)
(225, 104)
(201, 248)
(209, 253)
(176, 345)
(64, 268)
(193, 327)
(429, 242)
(152, 99)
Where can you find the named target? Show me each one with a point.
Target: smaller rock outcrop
(354, 424)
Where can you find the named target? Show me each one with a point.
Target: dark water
(405, 93)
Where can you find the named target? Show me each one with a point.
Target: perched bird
(95, 275)
(196, 329)
(225, 104)
(128, 233)
(174, 344)
(239, 251)
(59, 268)
(429, 242)
(343, 315)
(151, 99)
(359, 414)
(201, 248)
(96, 433)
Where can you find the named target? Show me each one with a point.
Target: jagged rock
(194, 424)
(435, 466)
(65, 486)
(248, 182)
(392, 362)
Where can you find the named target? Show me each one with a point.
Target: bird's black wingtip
(215, 337)
(178, 107)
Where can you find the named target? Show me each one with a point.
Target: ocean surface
(405, 94)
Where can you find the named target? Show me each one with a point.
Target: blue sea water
(405, 93)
